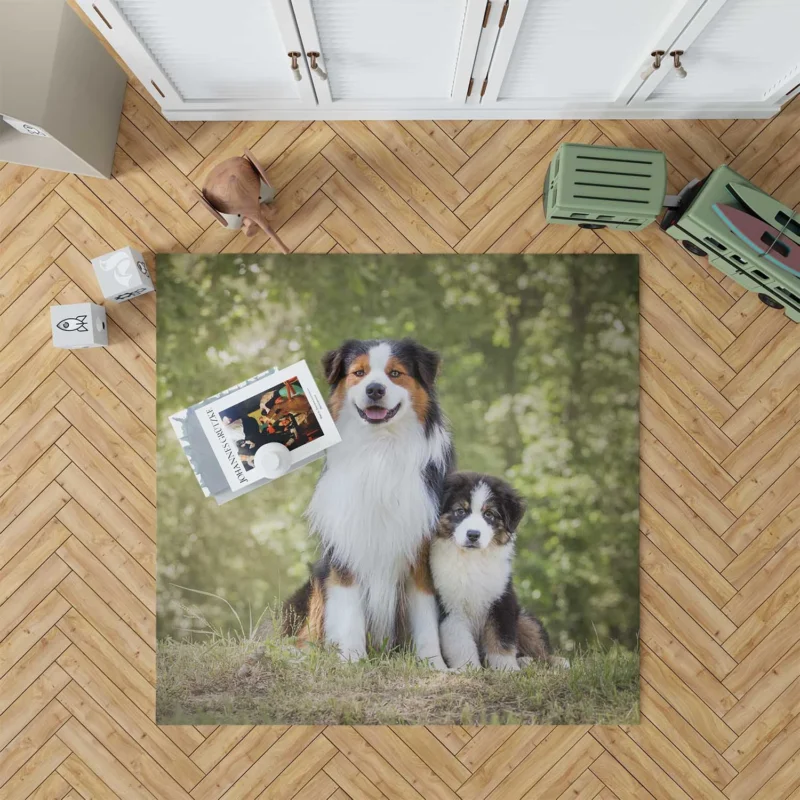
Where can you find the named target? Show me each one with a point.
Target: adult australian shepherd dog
(376, 504)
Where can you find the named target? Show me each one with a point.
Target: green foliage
(539, 382)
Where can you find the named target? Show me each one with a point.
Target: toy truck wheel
(693, 249)
(592, 226)
(769, 301)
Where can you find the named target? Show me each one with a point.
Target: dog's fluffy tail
(534, 643)
(533, 639)
(295, 610)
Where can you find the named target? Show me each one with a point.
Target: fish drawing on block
(765, 240)
(77, 324)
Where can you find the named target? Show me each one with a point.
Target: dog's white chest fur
(372, 509)
(469, 581)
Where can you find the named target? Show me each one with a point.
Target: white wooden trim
(309, 43)
(471, 37)
(337, 112)
(131, 50)
(470, 34)
(287, 26)
(126, 42)
(662, 41)
(682, 41)
(786, 88)
(501, 53)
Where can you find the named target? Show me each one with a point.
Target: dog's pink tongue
(376, 412)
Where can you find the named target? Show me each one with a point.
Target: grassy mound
(270, 683)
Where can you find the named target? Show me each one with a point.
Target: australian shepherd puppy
(471, 555)
(376, 504)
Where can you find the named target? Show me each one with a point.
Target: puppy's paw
(504, 663)
(558, 662)
(352, 655)
(524, 661)
(437, 663)
(467, 666)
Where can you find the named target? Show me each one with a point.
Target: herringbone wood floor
(720, 507)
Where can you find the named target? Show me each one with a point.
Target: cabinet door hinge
(503, 15)
(469, 88)
(486, 13)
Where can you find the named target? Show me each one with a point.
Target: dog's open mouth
(377, 414)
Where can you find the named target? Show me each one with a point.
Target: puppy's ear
(428, 362)
(333, 365)
(513, 509)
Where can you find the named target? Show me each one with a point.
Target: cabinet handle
(317, 70)
(294, 55)
(676, 60)
(657, 56)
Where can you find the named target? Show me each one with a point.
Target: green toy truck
(605, 187)
(702, 232)
(599, 187)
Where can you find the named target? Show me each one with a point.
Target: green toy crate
(702, 232)
(598, 187)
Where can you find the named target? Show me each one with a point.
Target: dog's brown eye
(459, 513)
(489, 516)
(395, 373)
(359, 373)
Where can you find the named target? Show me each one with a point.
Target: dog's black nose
(375, 391)
(473, 536)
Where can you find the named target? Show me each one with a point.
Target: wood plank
(683, 555)
(431, 136)
(419, 161)
(109, 444)
(165, 174)
(679, 478)
(713, 476)
(17, 279)
(759, 620)
(86, 784)
(683, 736)
(159, 131)
(677, 585)
(428, 225)
(684, 412)
(82, 598)
(109, 479)
(720, 479)
(686, 341)
(236, 763)
(764, 544)
(98, 760)
(375, 226)
(39, 294)
(121, 714)
(152, 197)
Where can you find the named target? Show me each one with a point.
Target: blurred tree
(539, 380)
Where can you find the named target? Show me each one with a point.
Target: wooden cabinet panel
(580, 51)
(748, 51)
(203, 53)
(384, 52)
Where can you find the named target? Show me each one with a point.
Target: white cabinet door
(391, 54)
(208, 54)
(578, 54)
(747, 51)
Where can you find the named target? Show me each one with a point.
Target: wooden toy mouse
(234, 194)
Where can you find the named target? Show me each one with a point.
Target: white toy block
(122, 274)
(79, 325)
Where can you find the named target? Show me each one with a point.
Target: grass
(226, 681)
